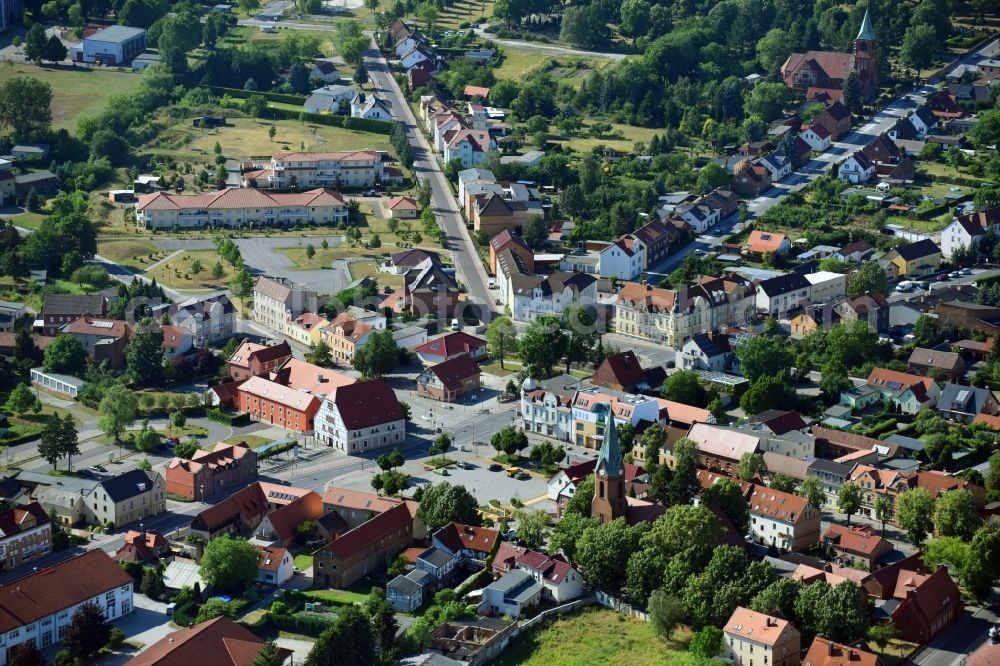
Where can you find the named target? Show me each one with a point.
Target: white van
(905, 285)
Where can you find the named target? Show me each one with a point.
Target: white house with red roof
(817, 136)
(403, 208)
(470, 146)
(239, 207)
(467, 541)
(360, 417)
(177, 341)
(624, 259)
(449, 346)
(348, 168)
(560, 581)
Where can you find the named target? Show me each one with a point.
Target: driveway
(147, 623)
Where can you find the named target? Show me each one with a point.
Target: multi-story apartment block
(359, 168)
(672, 316)
(25, 534)
(39, 607)
(361, 417)
(277, 302)
(238, 207)
(547, 407)
(590, 410)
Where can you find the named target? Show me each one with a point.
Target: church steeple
(867, 31)
(609, 475)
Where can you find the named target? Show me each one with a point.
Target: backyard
(594, 637)
(76, 91)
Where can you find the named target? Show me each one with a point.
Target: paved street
(958, 640)
(469, 268)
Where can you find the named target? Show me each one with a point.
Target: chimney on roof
(829, 648)
(771, 621)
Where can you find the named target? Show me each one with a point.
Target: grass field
(132, 253)
(519, 63)
(28, 220)
(594, 637)
(338, 597)
(464, 12)
(177, 273)
(629, 135)
(253, 441)
(247, 137)
(303, 562)
(76, 91)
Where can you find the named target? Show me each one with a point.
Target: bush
(117, 638)
(219, 416)
(300, 623)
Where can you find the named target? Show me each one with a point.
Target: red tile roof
(243, 505)
(765, 241)
(455, 371)
(761, 628)
(451, 344)
(937, 482)
(370, 532)
(366, 404)
(220, 642)
(456, 536)
(858, 540)
(88, 325)
(823, 652)
(172, 336)
(551, 569)
(621, 369)
(58, 587)
(237, 197)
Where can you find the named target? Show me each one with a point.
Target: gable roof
(824, 652)
(59, 587)
(220, 642)
(935, 358)
(370, 532)
(262, 353)
(457, 536)
(820, 130)
(775, 504)
(784, 284)
(451, 344)
(550, 569)
(366, 404)
(622, 369)
(70, 304)
(453, 372)
(723, 442)
(918, 250)
(858, 540)
(765, 241)
(895, 380)
(833, 64)
(244, 504)
(128, 484)
(758, 627)
(87, 325)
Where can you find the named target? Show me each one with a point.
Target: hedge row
(220, 416)
(239, 93)
(347, 122)
(299, 623)
(275, 450)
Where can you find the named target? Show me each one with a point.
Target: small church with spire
(821, 74)
(611, 500)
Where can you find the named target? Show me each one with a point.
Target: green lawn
(338, 597)
(620, 138)
(464, 11)
(493, 367)
(136, 254)
(76, 91)
(27, 220)
(518, 63)
(253, 441)
(594, 637)
(178, 272)
(303, 562)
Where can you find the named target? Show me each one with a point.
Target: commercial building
(547, 407)
(361, 417)
(39, 607)
(276, 404)
(238, 207)
(112, 46)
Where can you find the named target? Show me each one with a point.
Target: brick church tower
(864, 58)
(609, 483)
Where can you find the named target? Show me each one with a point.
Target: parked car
(942, 278)
(966, 271)
(523, 476)
(495, 467)
(954, 274)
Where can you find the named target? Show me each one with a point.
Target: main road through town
(468, 266)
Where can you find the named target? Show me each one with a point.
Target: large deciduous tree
(501, 339)
(443, 503)
(915, 514)
(229, 563)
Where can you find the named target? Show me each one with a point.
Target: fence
(570, 607)
(620, 606)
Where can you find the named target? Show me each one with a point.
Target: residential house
(429, 289)
(832, 475)
(966, 231)
(826, 286)
(296, 169)
(102, 339)
(872, 308)
(511, 595)
(146, 547)
(749, 637)
(437, 562)
(619, 372)
(126, 498)
(817, 137)
(708, 352)
(469, 146)
(361, 417)
(449, 346)
(415, 55)
(370, 107)
(912, 260)
(177, 341)
(473, 175)
(856, 169)
(39, 607)
(698, 214)
(922, 605)
(275, 565)
(778, 164)
(784, 520)
(836, 119)
(211, 471)
(306, 329)
(936, 364)
(221, 642)
(280, 526)
(450, 380)
(239, 207)
(672, 316)
(623, 259)
(467, 541)
(256, 360)
(783, 294)
(403, 208)
(561, 582)
(857, 547)
(766, 242)
(325, 71)
(9, 314)
(657, 237)
(878, 482)
(210, 320)
(405, 260)
(492, 213)
(25, 535)
(546, 407)
(752, 181)
(855, 252)
(58, 310)
(553, 294)
(824, 652)
(590, 407)
(405, 593)
(910, 393)
(357, 507)
(505, 240)
(277, 302)
(329, 99)
(364, 549)
(239, 513)
(964, 403)
(345, 336)
(923, 120)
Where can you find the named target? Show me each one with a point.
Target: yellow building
(912, 260)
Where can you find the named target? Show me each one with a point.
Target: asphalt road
(469, 268)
